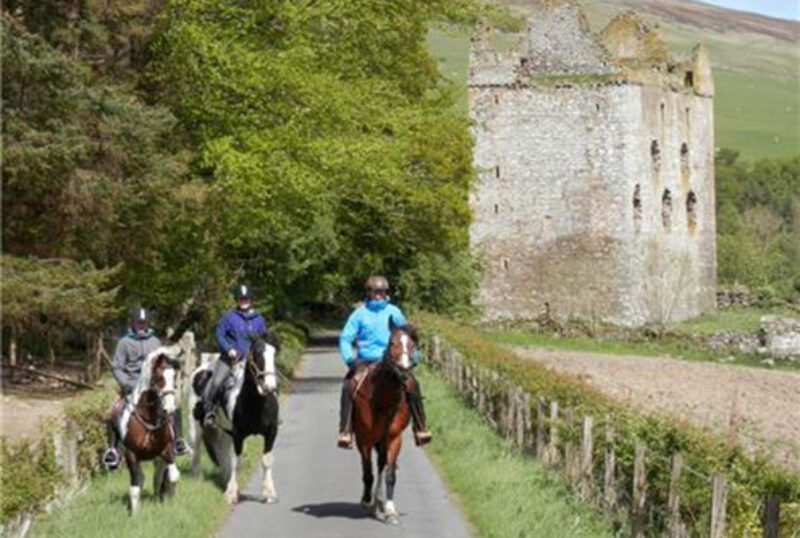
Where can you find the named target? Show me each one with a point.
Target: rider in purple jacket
(233, 332)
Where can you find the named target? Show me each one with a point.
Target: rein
(148, 426)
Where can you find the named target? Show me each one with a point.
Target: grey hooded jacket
(129, 356)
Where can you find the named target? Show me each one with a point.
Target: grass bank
(502, 493)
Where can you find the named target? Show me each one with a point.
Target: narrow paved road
(319, 485)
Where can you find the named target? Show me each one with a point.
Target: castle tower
(595, 194)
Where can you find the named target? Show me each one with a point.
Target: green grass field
(756, 113)
(102, 510)
(502, 492)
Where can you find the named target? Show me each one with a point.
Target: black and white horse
(248, 407)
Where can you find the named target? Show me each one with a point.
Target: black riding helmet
(242, 291)
(140, 314)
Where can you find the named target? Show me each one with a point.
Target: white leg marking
(377, 497)
(232, 490)
(389, 509)
(267, 485)
(173, 473)
(134, 495)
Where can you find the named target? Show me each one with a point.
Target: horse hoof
(232, 498)
(266, 499)
(392, 519)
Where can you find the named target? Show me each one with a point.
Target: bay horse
(249, 407)
(145, 426)
(381, 413)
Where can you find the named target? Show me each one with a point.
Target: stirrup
(181, 448)
(422, 437)
(111, 458)
(345, 440)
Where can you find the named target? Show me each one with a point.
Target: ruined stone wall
(577, 174)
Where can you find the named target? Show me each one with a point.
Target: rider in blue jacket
(368, 328)
(233, 336)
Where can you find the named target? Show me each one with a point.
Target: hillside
(756, 61)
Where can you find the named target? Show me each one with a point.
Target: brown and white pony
(145, 426)
(381, 413)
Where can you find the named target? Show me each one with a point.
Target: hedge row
(750, 478)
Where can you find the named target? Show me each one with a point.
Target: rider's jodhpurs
(221, 370)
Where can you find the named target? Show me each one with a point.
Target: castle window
(688, 80)
(691, 211)
(496, 99)
(505, 264)
(597, 107)
(663, 113)
(666, 210)
(497, 172)
(496, 209)
(685, 158)
(655, 155)
(523, 62)
(637, 208)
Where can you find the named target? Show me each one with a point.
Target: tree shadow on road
(333, 509)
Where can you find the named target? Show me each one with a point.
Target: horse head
(159, 377)
(261, 363)
(403, 342)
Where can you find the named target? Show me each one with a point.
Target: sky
(784, 9)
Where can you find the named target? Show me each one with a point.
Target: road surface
(319, 485)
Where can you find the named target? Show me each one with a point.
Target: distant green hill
(756, 66)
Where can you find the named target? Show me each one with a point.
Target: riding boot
(345, 417)
(180, 447)
(111, 456)
(421, 434)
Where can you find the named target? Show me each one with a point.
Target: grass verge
(102, 510)
(502, 492)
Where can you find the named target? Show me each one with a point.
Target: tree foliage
(328, 138)
(758, 224)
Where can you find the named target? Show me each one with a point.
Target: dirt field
(759, 408)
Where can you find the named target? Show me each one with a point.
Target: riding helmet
(377, 282)
(242, 291)
(140, 314)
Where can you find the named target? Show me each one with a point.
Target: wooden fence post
(719, 501)
(525, 420)
(436, 351)
(609, 471)
(552, 445)
(675, 526)
(772, 516)
(639, 490)
(570, 450)
(541, 417)
(587, 469)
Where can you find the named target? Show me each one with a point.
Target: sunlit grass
(502, 492)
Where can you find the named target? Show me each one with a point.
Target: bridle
(161, 412)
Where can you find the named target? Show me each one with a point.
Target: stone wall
(576, 160)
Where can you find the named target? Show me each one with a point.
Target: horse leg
(391, 479)
(137, 478)
(378, 496)
(159, 469)
(366, 477)
(268, 492)
(232, 488)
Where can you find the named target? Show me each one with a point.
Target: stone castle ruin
(595, 194)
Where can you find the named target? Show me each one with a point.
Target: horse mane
(146, 374)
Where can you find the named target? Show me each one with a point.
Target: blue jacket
(369, 328)
(234, 328)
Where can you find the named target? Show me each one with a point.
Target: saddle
(362, 372)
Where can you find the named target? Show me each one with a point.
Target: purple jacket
(235, 327)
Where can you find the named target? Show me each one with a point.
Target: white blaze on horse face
(168, 391)
(405, 358)
(270, 380)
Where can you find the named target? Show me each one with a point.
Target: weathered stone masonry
(595, 195)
